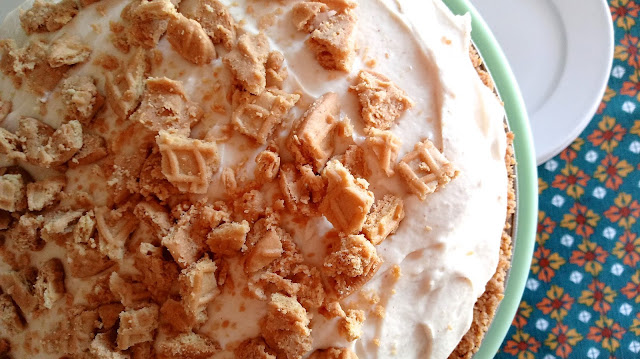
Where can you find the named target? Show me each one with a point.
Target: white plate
(561, 53)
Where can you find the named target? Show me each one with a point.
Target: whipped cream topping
(446, 247)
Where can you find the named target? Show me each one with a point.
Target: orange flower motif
(607, 332)
(572, 179)
(624, 13)
(561, 339)
(611, 171)
(628, 50)
(632, 289)
(522, 345)
(545, 264)
(590, 256)
(522, 315)
(581, 219)
(628, 249)
(557, 303)
(608, 134)
(625, 211)
(599, 296)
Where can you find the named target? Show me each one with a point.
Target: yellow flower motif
(609, 94)
(635, 327)
(636, 128)
(577, 144)
(542, 185)
(607, 332)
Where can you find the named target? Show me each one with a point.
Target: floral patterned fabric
(582, 298)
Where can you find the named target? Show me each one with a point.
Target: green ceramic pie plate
(526, 176)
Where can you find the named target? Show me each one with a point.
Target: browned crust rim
(485, 308)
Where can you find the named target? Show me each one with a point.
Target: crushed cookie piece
(114, 226)
(258, 116)
(311, 293)
(425, 169)
(285, 328)
(183, 241)
(109, 314)
(19, 285)
(125, 87)
(297, 195)
(146, 21)
(47, 16)
(188, 163)
(81, 98)
(384, 219)
(316, 184)
(175, 315)
(83, 257)
(254, 348)
(304, 15)
(228, 238)
(128, 291)
(58, 225)
(250, 206)
(350, 327)
(347, 201)
(340, 5)
(48, 148)
(49, 287)
(158, 274)
(68, 50)
(189, 39)
(267, 166)
(354, 160)
(24, 234)
(44, 193)
(350, 265)
(11, 321)
(311, 141)
(155, 215)
(344, 128)
(102, 348)
(386, 146)
(186, 346)
(10, 147)
(152, 180)
(93, 149)
(276, 71)
(267, 249)
(29, 64)
(333, 353)
(381, 101)
(247, 62)
(137, 326)
(13, 193)
(215, 19)
(165, 106)
(5, 347)
(5, 109)
(333, 42)
(198, 287)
